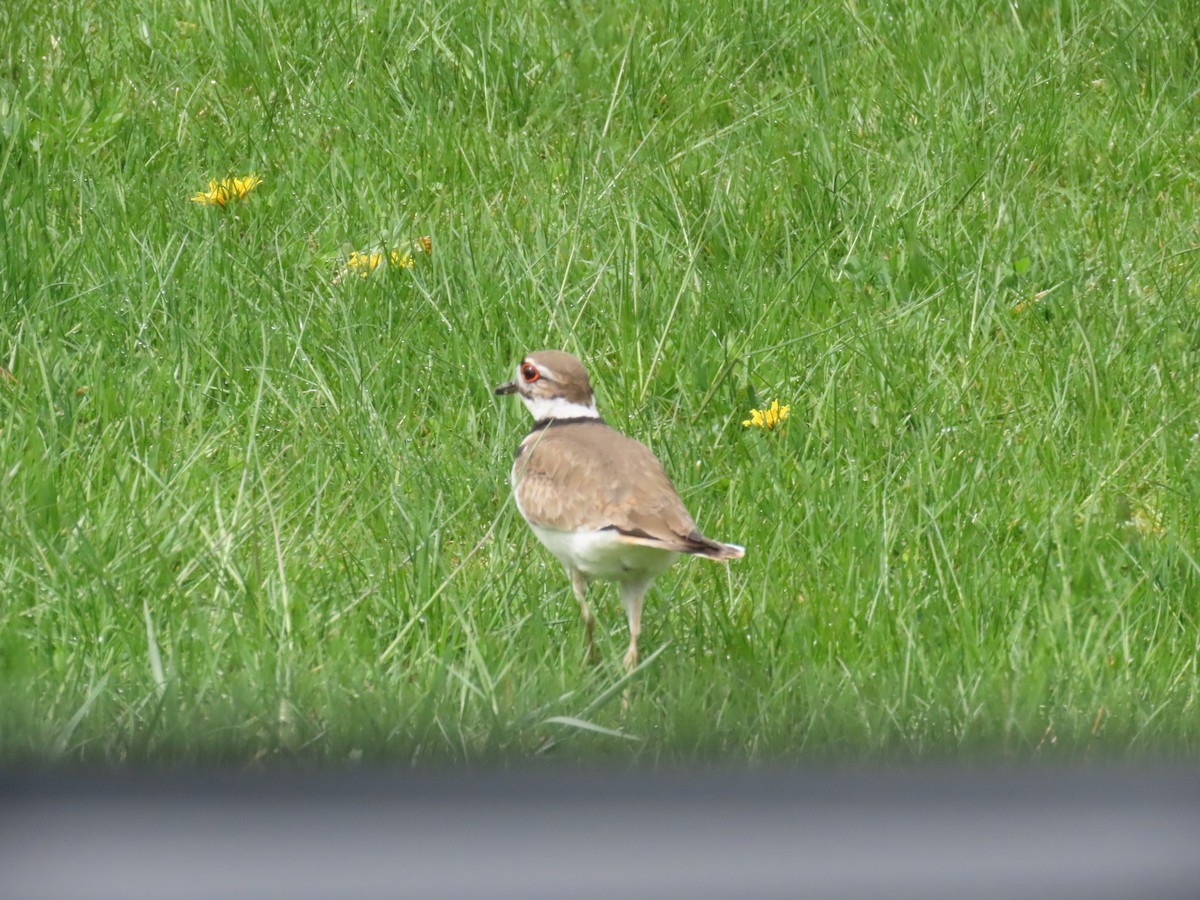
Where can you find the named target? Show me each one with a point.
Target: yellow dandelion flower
(364, 263)
(1148, 523)
(768, 418)
(221, 192)
(367, 261)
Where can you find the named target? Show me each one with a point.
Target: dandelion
(1147, 523)
(1029, 304)
(221, 192)
(367, 261)
(768, 418)
(364, 263)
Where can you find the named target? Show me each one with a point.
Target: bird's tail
(702, 546)
(694, 543)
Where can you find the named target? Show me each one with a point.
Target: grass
(255, 507)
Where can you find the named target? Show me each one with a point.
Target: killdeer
(598, 500)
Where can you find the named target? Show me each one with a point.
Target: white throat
(559, 408)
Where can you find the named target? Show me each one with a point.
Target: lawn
(253, 480)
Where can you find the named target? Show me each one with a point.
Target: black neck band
(543, 424)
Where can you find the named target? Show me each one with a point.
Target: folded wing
(586, 475)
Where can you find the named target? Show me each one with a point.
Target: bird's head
(553, 385)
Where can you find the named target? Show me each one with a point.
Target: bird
(597, 500)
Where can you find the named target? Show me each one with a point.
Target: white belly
(600, 555)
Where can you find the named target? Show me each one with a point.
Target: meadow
(253, 480)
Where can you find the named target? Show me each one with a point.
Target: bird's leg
(579, 584)
(633, 593)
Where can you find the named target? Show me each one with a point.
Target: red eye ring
(529, 372)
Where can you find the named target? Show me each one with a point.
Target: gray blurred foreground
(556, 833)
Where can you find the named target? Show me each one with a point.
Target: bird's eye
(529, 372)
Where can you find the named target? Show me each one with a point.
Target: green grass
(255, 511)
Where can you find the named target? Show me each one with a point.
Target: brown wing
(586, 475)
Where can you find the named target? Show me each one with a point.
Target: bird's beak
(509, 387)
